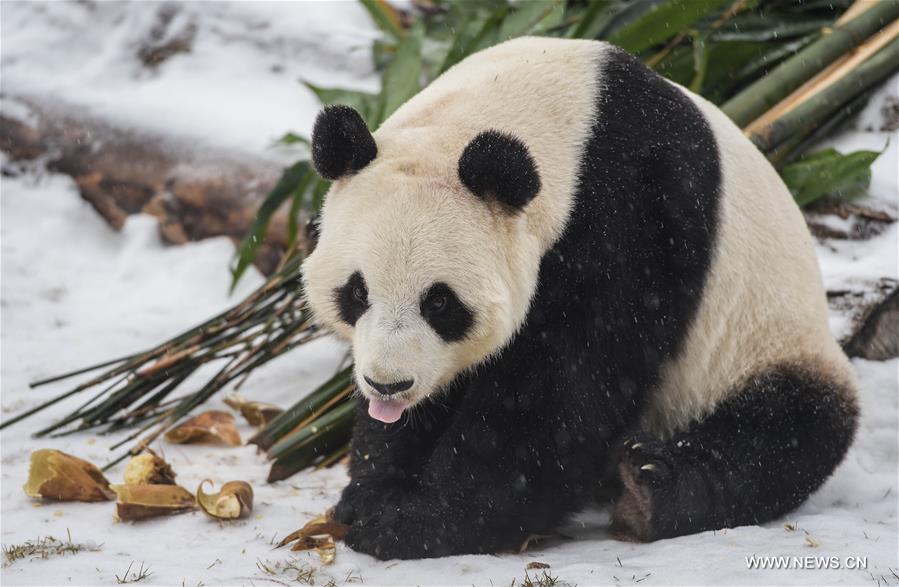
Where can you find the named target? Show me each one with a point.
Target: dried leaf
(211, 426)
(148, 468)
(138, 502)
(320, 534)
(530, 539)
(256, 413)
(327, 551)
(537, 565)
(234, 500)
(60, 476)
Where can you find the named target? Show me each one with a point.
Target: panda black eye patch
(352, 299)
(445, 313)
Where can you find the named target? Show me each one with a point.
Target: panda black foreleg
(759, 455)
(387, 457)
(483, 491)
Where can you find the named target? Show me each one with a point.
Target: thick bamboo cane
(768, 91)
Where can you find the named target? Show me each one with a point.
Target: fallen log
(195, 193)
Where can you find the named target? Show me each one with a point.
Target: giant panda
(567, 280)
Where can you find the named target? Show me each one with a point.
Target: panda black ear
(341, 143)
(498, 166)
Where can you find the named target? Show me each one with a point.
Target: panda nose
(389, 388)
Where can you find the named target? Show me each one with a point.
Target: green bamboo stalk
(323, 423)
(795, 146)
(768, 91)
(329, 439)
(81, 371)
(306, 407)
(817, 108)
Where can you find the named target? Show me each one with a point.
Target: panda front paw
(384, 539)
(363, 501)
(647, 470)
(648, 460)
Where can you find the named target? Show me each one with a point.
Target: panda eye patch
(352, 299)
(359, 294)
(450, 318)
(437, 304)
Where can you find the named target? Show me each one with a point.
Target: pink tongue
(387, 411)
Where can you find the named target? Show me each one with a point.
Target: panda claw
(636, 445)
(648, 467)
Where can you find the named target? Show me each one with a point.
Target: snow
(74, 292)
(239, 87)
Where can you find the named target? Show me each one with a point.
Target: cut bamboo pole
(768, 91)
(857, 8)
(828, 76)
(830, 99)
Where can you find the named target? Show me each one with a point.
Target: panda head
(425, 261)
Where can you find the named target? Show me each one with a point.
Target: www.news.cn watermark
(790, 563)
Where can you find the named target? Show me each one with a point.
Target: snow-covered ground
(73, 292)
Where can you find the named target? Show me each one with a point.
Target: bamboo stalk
(815, 109)
(320, 446)
(81, 371)
(827, 77)
(795, 146)
(308, 406)
(766, 92)
(857, 8)
(324, 422)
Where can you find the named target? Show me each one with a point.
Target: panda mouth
(386, 410)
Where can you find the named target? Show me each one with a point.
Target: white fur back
(764, 302)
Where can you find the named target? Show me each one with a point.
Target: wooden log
(195, 193)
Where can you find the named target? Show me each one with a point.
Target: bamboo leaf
(597, 15)
(320, 187)
(402, 78)
(700, 61)
(366, 104)
(828, 172)
(473, 36)
(661, 22)
(526, 17)
(759, 28)
(249, 246)
(296, 204)
(385, 16)
(292, 138)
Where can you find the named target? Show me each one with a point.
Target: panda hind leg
(756, 457)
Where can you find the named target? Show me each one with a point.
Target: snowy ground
(73, 292)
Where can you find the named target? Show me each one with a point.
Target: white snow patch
(239, 86)
(73, 292)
